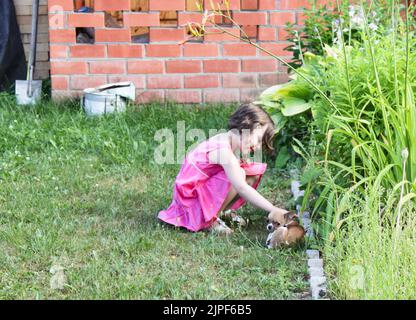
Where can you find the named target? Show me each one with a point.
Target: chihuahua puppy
(284, 232)
(285, 236)
(274, 219)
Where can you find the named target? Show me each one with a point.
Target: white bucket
(108, 98)
(22, 96)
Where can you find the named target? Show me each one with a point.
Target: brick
(111, 5)
(249, 4)
(276, 49)
(258, 65)
(221, 66)
(318, 292)
(316, 272)
(105, 67)
(315, 263)
(233, 4)
(139, 81)
(57, 51)
(240, 80)
(183, 66)
(317, 281)
(292, 4)
(249, 32)
(86, 20)
(280, 18)
(193, 5)
(149, 96)
(239, 49)
(57, 36)
(202, 81)
(216, 35)
(125, 51)
(249, 95)
(185, 17)
(145, 66)
(167, 34)
(282, 34)
(141, 19)
(164, 82)
(267, 34)
(300, 18)
(221, 20)
(271, 79)
(163, 50)
(62, 95)
(312, 253)
(59, 83)
(68, 67)
(42, 68)
(221, 95)
(167, 5)
(282, 68)
(267, 4)
(56, 21)
(87, 51)
(26, 9)
(117, 35)
(83, 82)
(300, 4)
(184, 96)
(60, 5)
(200, 50)
(250, 18)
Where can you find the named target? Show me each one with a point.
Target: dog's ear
(290, 215)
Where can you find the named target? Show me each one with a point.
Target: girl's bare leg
(233, 196)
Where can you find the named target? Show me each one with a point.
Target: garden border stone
(317, 279)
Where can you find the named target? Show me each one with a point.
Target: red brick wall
(219, 69)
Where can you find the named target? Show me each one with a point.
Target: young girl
(213, 179)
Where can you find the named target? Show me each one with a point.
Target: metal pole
(33, 42)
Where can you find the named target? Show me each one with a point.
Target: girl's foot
(233, 217)
(219, 227)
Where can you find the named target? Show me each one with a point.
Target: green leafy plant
(372, 85)
(316, 31)
(321, 26)
(293, 98)
(289, 105)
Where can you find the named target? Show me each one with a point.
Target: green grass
(83, 193)
(371, 258)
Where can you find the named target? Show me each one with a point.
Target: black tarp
(12, 55)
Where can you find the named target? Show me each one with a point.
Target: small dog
(284, 232)
(274, 220)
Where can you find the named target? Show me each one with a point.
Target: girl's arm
(236, 175)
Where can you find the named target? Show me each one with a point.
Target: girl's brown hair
(248, 116)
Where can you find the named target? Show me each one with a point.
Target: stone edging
(317, 279)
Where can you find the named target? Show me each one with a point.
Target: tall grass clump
(374, 256)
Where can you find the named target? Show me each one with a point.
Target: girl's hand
(279, 214)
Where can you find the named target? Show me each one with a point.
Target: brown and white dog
(283, 232)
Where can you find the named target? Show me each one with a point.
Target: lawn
(83, 194)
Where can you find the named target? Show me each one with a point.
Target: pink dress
(201, 187)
